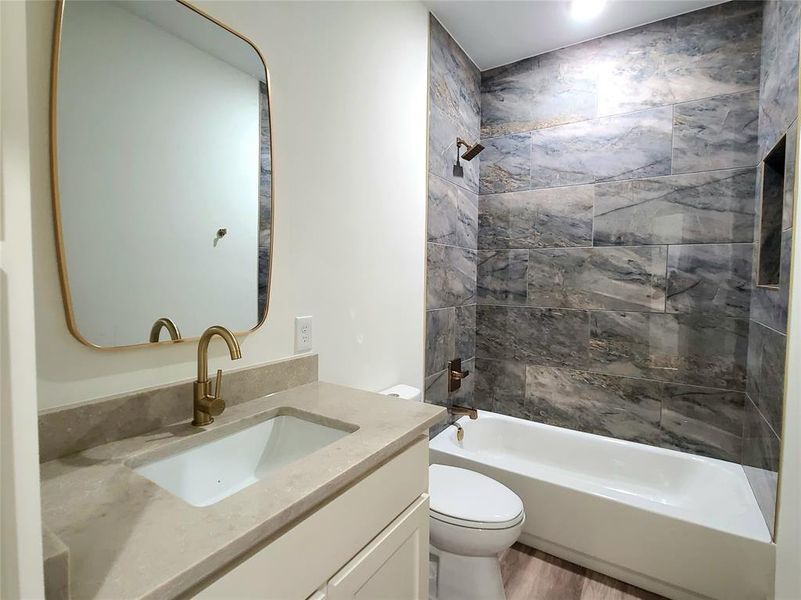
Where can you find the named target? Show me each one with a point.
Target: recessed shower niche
(770, 220)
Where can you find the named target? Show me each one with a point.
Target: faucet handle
(218, 384)
(213, 404)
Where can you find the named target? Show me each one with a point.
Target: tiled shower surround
(778, 112)
(454, 111)
(616, 229)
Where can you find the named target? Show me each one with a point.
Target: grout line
(716, 314)
(610, 246)
(761, 416)
(761, 324)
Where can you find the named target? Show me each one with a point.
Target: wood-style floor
(529, 574)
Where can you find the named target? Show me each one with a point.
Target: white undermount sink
(210, 472)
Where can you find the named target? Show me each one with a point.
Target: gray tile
(716, 51)
(501, 386)
(618, 407)
(452, 214)
(710, 278)
(680, 209)
(440, 339)
(716, 133)
(631, 69)
(442, 134)
(702, 421)
(454, 107)
(547, 218)
(611, 148)
(704, 53)
(436, 388)
(779, 72)
(789, 176)
(505, 164)
(704, 350)
(454, 81)
(502, 276)
(599, 278)
(535, 335)
(451, 276)
(769, 305)
(465, 332)
(766, 362)
(550, 89)
(761, 454)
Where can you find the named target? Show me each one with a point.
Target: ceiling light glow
(583, 10)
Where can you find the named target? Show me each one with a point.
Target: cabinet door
(394, 566)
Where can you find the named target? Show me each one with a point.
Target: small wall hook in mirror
(221, 232)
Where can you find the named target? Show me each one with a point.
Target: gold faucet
(458, 411)
(169, 325)
(455, 374)
(207, 405)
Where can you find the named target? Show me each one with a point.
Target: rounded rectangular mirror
(162, 177)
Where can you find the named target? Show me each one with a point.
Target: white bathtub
(679, 525)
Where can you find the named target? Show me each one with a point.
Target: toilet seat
(468, 499)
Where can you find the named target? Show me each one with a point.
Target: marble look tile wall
(452, 230)
(778, 112)
(615, 233)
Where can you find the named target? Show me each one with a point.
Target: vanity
(319, 491)
(277, 487)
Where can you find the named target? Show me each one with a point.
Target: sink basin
(210, 472)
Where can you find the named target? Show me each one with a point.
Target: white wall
(349, 123)
(20, 511)
(158, 149)
(788, 527)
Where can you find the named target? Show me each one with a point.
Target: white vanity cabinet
(392, 566)
(369, 542)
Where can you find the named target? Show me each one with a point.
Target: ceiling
(497, 32)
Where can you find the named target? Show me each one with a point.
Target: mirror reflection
(162, 173)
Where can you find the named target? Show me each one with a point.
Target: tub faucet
(208, 405)
(459, 411)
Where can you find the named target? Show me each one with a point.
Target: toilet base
(468, 577)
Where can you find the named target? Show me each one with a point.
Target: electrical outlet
(303, 334)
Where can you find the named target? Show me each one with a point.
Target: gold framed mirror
(161, 164)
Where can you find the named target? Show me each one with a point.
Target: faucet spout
(203, 349)
(206, 404)
(169, 325)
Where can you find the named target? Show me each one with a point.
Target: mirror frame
(72, 325)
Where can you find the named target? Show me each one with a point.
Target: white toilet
(473, 518)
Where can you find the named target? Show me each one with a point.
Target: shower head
(472, 152)
(469, 154)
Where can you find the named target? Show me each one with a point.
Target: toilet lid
(469, 496)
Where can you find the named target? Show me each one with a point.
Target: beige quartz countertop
(129, 538)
